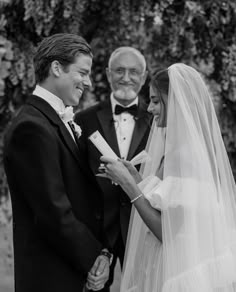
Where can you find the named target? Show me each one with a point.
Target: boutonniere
(76, 128)
(67, 117)
(67, 114)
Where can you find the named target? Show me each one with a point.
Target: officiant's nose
(126, 75)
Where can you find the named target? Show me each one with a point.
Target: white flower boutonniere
(67, 117)
(76, 128)
(67, 114)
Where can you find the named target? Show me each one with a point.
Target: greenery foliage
(201, 33)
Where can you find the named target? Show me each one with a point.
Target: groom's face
(74, 79)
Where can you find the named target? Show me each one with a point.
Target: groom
(57, 205)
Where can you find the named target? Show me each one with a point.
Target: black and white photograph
(117, 146)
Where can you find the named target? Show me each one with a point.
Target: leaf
(4, 69)
(2, 87)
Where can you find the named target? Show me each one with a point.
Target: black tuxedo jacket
(117, 205)
(57, 204)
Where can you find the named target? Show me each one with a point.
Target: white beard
(125, 93)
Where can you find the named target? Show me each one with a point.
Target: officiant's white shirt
(124, 126)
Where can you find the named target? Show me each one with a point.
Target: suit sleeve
(33, 156)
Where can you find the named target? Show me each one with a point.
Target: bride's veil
(196, 196)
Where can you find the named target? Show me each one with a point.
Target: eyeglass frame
(123, 71)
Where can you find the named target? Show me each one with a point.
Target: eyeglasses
(133, 73)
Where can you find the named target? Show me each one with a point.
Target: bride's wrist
(136, 198)
(133, 191)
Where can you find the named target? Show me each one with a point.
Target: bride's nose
(150, 108)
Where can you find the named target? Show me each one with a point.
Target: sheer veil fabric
(189, 179)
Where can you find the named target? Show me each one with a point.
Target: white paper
(101, 144)
(140, 158)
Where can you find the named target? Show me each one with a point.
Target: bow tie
(131, 109)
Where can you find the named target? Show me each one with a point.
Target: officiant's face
(74, 79)
(126, 76)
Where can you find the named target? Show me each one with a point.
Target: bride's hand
(117, 171)
(132, 170)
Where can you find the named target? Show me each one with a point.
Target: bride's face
(158, 107)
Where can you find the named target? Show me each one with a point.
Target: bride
(182, 235)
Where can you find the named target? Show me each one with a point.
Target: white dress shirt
(124, 125)
(55, 102)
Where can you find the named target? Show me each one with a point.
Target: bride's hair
(160, 81)
(160, 84)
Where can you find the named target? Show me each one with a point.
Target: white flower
(67, 115)
(76, 128)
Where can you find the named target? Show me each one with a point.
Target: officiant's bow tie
(131, 109)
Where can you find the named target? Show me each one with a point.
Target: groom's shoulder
(28, 112)
(27, 115)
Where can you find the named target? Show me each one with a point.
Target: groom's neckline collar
(55, 102)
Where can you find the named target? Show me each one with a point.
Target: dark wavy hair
(62, 47)
(160, 84)
(160, 81)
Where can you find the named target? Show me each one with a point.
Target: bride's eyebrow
(152, 97)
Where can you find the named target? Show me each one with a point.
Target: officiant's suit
(117, 205)
(57, 205)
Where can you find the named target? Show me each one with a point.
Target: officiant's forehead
(127, 53)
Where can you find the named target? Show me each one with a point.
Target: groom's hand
(99, 273)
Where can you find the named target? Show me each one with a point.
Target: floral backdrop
(201, 33)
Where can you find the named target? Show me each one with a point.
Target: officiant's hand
(99, 273)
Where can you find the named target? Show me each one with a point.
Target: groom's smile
(80, 91)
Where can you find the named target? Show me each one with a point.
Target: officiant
(124, 123)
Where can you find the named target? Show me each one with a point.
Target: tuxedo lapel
(107, 124)
(141, 126)
(53, 117)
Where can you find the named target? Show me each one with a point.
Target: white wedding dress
(195, 194)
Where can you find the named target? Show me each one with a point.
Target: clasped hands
(99, 273)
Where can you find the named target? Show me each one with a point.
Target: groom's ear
(56, 68)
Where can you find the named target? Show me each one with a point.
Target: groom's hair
(62, 47)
